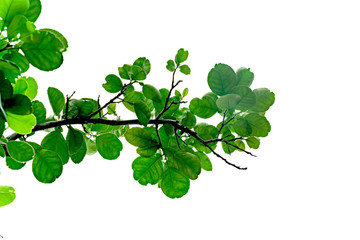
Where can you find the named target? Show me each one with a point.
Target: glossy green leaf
(181, 56)
(55, 142)
(247, 97)
(144, 64)
(47, 166)
(6, 89)
(10, 8)
(39, 111)
(57, 100)
(113, 84)
(74, 140)
(20, 151)
(34, 10)
(264, 100)
(7, 195)
(186, 163)
(148, 170)
(204, 108)
(22, 124)
(10, 70)
(109, 146)
(151, 92)
(170, 65)
(253, 142)
(205, 161)
(228, 101)
(19, 104)
(43, 50)
(139, 137)
(174, 184)
(59, 36)
(259, 125)
(14, 165)
(185, 69)
(19, 60)
(245, 77)
(142, 112)
(222, 79)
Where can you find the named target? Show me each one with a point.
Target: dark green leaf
(170, 65)
(253, 142)
(247, 97)
(10, 8)
(22, 124)
(47, 166)
(185, 69)
(186, 163)
(245, 77)
(34, 10)
(7, 195)
(19, 104)
(159, 106)
(151, 92)
(132, 98)
(84, 107)
(174, 184)
(43, 50)
(139, 137)
(259, 125)
(39, 111)
(148, 170)
(205, 161)
(227, 147)
(74, 140)
(142, 112)
(79, 155)
(264, 100)
(10, 70)
(181, 56)
(57, 100)
(19, 60)
(189, 120)
(113, 84)
(55, 142)
(204, 108)
(109, 146)
(228, 101)
(20, 151)
(2, 127)
(6, 89)
(222, 79)
(14, 165)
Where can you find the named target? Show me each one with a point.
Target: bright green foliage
(7, 195)
(172, 141)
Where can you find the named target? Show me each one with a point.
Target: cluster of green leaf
(171, 142)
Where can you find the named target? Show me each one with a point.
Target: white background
(304, 184)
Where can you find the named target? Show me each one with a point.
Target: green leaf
(222, 79)
(189, 120)
(245, 77)
(57, 100)
(186, 163)
(185, 92)
(39, 111)
(84, 107)
(20, 151)
(55, 142)
(10, 70)
(247, 97)
(34, 10)
(74, 140)
(43, 50)
(151, 92)
(181, 56)
(205, 161)
(125, 71)
(139, 137)
(79, 155)
(205, 107)
(17, 26)
(2, 128)
(253, 142)
(111, 108)
(20, 86)
(113, 84)
(170, 65)
(228, 101)
(185, 69)
(137, 73)
(147, 151)
(259, 125)
(144, 64)
(19, 60)
(132, 98)
(159, 106)
(14, 165)
(264, 100)
(174, 184)
(47, 166)
(6, 89)
(10, 8)
(142, 112)
(7, 195)
(2, 151)
(206, 131)
(241, 127)
(59, 36)
(32, 88)
(19, 104)
(22, 124)
(227, 147)
(148, 170)
(109, 146)
(90, 146)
